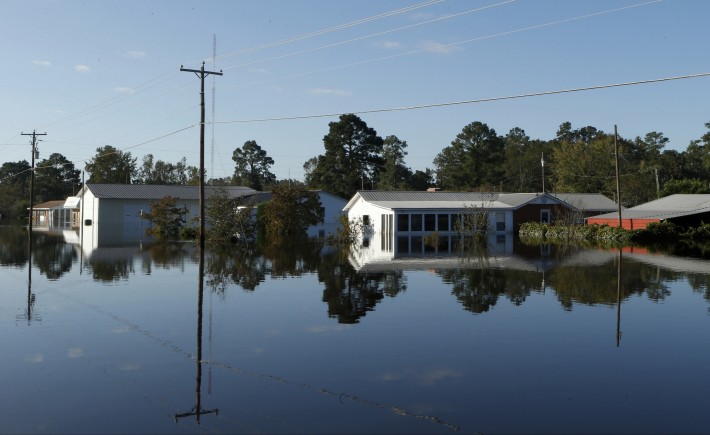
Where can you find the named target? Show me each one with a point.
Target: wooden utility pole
(34, 135)
(542, 163)
(618, 187)
(201, 73)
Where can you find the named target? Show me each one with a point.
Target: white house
(401, 223)
(111, 213)
(332, 206)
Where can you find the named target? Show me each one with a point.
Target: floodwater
(306, 340)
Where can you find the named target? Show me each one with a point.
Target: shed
(682, 209)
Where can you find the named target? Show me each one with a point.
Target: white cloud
(322, 329)
(330, 91)
(435, 376)
(75, 352)
(389, 45)
(42, 62)
(123, 90)
(35, 359)
(133, 54)
(439, 48)
(82, 69)
(262, 71)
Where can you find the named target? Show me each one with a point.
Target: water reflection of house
(413, 223)
(56, 215)
(688, 210)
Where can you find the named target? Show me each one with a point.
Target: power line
(335, 44)
(329, 29)
(453, 44)
(480, 100)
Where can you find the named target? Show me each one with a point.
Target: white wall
(333, 209)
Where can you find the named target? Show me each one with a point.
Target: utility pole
(542, 163)
(201, 73)
(618, 187)
(35, 153)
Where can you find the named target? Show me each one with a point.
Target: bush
(189, 233)
(657, 232)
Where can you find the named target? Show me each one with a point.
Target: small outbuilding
(688, 210)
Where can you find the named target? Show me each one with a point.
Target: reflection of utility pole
(618, 301)
(201, 73)
(197, 410)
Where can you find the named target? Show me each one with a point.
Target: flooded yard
(306, 340)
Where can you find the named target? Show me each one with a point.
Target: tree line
(355, 157)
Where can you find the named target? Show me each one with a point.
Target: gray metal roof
(672, 206)
(393, 199)
(156, 191)
(587, 201)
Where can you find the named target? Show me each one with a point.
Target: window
(500, 221)
(429, 222)
(545, 216)
(443, 222)
(416, 245)
(416, 222)
(443, 244)
(402, 245)
(402, 222)
(366, 219)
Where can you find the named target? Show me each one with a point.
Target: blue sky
(94, 73)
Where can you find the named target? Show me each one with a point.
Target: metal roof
(393, 199)
(49, 204)
(157, 191)
(672, 206)
(587, 201)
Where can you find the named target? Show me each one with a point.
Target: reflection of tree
(114, 270)
(13, 246)
(478, 289)
(349, 294)
(597, 284)
(167, 254)
(241, 265)
(52, 256)
(293, 257)
(700, 284)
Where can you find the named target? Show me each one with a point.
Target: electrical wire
(475, 101)
(327, 30)
(335, 44)
(452, 44)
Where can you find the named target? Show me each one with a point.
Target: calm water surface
(299, 341)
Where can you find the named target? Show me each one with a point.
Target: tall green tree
(111, 166)
(290, 212)
(15, 188)
(474, 160)
(421, 180)
(352, 159)
(160, 172)
(166, 217)
(523, 168)
(252, 166)
(394, 174)
(56, 178)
